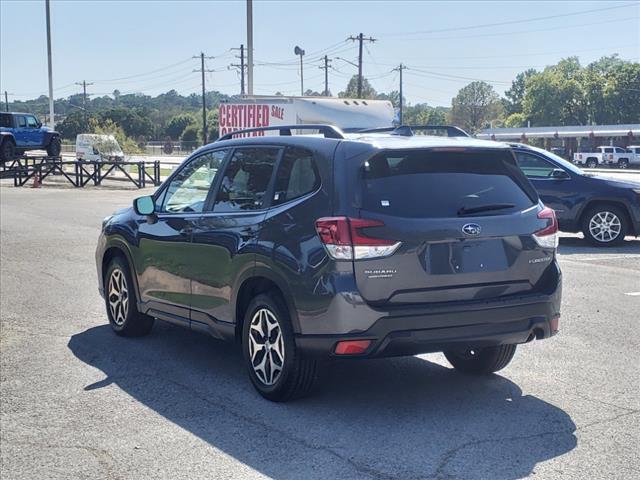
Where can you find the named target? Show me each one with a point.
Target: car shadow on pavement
(578, 245)
(389, 418)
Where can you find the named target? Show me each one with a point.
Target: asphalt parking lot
(78, 402)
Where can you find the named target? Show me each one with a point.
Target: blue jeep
(20, 132)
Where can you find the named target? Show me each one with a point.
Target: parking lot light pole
(299, 51)
(51, 119)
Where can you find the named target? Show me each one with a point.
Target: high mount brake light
(548, 236)
(344, 239)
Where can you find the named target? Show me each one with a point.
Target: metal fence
(82, 173)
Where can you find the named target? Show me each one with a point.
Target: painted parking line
(601, 257)
(633, 294)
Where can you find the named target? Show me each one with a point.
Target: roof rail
(408, 130)
(329, 131)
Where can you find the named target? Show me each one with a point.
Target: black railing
(81, 173)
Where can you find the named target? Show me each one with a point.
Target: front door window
(189, 190)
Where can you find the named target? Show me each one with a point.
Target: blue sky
(116, 44)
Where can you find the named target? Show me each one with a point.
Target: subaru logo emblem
(471, 229)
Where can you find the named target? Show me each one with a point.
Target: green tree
(556, 95)
(622, 93)
(368, 92)
(514, 96)
(178, 123)
(191, 137)
(515, 120)
(475, 106)
(423, 114)
(109, 127)
(72, 125)
(393, 97)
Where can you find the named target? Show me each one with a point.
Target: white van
(91, 147)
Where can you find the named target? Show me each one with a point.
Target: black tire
(623, 163)
(7, 150)
(54, 147)
(592, 163)
(592, 235)
(297, 375)
(126, 321)
(481, 361)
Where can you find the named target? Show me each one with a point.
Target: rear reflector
(548, 236)
(554, 323)
(344, 239)
(352, 347)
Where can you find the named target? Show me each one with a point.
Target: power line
(145, 73)
(325, 67)
(508, 22)
(241, 67)
(521, 32)
(360, 39)
(203, 70)
(400, 69)
(84, 100)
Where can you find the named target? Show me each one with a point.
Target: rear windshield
(429, 183)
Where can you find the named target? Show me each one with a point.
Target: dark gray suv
(309, 247)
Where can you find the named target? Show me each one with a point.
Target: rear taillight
(345, 239)
(548, 236)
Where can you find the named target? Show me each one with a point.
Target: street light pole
(299, 51)
(250, 47)
(51, 119)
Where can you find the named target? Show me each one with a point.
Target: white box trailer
(345, 113)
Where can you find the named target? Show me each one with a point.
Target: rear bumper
(474, 324)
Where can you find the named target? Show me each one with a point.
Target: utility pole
(84, 100)
(204, 98)
(250, 47)
(51, 119)
(326, 75)
(400, 69)
(360, 38)
(6, 101)
(241, 67)
(299, 51)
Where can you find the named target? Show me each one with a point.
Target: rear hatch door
(465, 220)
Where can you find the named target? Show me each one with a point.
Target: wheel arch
(49, 136)
(4, 136)
(117, 249)
(616, 203)
(261, 280)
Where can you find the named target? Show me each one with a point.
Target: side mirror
(560, 174)
(144, 205)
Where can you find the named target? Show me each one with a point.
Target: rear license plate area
(468, 256)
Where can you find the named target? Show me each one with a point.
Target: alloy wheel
(118, 297)
(605, 226)
(266, 346)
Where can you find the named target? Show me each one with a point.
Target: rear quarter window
(5, 120)
(430, 183)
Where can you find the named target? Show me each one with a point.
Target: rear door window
(534, 166)
(430, 183)
(21, 122)
(5, 120)
(296, 177)
(246, 179)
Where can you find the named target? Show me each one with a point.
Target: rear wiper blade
(484, 208)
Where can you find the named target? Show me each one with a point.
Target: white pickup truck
(604, 155)
(634, 151)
